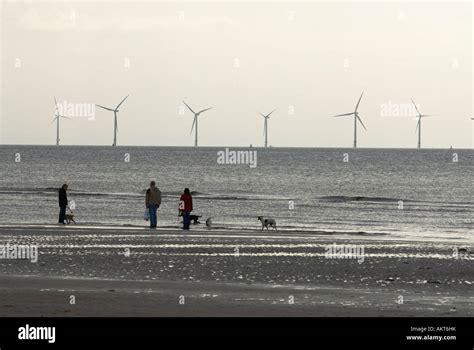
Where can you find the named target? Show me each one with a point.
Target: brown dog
(69, 218)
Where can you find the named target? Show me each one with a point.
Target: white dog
(267, 222)
(463, 252)
(209, 223)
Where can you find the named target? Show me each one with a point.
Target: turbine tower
(116, 110)
(418, 124)
(195, 122)
(356, 118)
(265, 125)
(56, 118)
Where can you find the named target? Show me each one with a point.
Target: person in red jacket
(186, 207)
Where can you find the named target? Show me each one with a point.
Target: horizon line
(241, 146)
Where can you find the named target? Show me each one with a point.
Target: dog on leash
(195, 218)
(267, 222)
(69, 217)
(192, 217)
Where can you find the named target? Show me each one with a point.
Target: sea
(407, 193)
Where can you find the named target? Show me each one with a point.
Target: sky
(310, 60)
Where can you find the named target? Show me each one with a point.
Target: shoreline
(130, 272)
(256, 232)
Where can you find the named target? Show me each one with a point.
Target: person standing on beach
(186, 207)
(152, 202)
(62, 203)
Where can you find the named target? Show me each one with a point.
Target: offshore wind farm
(266, 117)
(194, 126)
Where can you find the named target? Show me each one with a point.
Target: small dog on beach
(69, 217)
(463, 252)
(268, 222)
(195, 218)
(209, 223)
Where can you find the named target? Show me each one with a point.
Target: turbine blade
(121, 102)
(189, 108)
(414, 104)
(56, 105)
(360, 98)
(105, 108)
(62, 116)
(268, 115)
(342, 115)
(417, 125)
(205, 110)
(194, 122)
(360, 120)
(263, 115)
(52, 121)
(427, 115)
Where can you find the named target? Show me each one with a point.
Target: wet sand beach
(132, 271)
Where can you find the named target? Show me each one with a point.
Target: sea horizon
(243, 146)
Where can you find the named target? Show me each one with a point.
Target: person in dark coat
(186, 207)
(153, 202)
(63, 203)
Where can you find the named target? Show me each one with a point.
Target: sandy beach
(132, 271)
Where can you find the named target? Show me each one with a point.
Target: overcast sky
(311, 60)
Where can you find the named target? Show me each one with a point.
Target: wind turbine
(356, 118)
(418, 125)
(57, 117)
(116, 110)
(195, 122)
(265, 125)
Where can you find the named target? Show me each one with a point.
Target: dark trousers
(152, 209)
(186, 220)
(62, 214)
